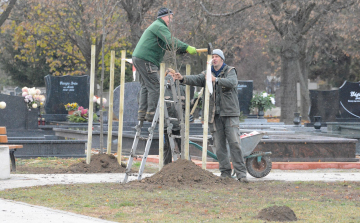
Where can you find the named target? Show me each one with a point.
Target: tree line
(295, 40)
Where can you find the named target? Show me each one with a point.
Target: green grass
(311, 202)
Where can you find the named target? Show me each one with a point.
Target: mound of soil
(99, 163)
(277, 213)
(185, 172)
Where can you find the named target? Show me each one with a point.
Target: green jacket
(224, 100)
(154, 41)
(171, 107)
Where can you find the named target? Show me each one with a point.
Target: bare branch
(230, 13)
(7, 11)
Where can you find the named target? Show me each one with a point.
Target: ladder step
(176, 136)
(169, 101)
(173, 119)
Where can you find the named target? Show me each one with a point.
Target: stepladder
(174, 101)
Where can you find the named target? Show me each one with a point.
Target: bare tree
(7, 11)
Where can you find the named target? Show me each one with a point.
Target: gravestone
(130, 102)
(16, 115)
(61, 90)
(245, 94)
(324, 104)
(349, 95)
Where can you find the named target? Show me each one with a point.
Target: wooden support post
(91, 104)
(162, 115)
(187, 114)
(206, 115)
(121, 108)
(111, 102)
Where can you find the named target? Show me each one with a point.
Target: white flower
(42, 99)
(37, 91)
(26, 100)
(32, 91)
(2, 105)
(34, 105)
(264, 95)
(24, 93)
(272, 100)
(94, 99)
(104, 101)
(24, 89)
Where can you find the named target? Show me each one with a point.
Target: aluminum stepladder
(151, 129)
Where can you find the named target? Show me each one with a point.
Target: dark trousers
(150, 87)
(227, 128)
(167, 148)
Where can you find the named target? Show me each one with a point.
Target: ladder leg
(149, 140)
(133, 150)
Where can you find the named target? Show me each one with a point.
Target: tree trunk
(289, 74)
(303, 67)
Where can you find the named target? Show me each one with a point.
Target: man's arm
(164, 34)
(230, 81)
(193, 80)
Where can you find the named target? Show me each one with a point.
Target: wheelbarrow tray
(248, 143)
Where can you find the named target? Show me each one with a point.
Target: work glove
(191, 50)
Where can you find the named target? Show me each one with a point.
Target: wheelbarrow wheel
(258, 169)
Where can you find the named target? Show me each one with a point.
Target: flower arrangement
(263, 101)
(97, 99)
(81, 115)
(71, 106)
(32, 97)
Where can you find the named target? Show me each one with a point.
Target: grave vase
(260, 112)
(71, 112)
(317, 124)
(297, 118)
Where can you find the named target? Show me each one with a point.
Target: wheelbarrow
(258, 164)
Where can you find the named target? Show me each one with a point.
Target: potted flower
(262, 102)
(32, 97)
(81, 115)
(71, 107)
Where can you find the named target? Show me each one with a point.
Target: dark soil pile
(277, 213)
(185, 172)
(99, 163)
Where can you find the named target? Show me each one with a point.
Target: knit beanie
(163, 12)
(219, 53)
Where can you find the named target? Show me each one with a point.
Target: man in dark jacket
(224, 112)
(147, 56)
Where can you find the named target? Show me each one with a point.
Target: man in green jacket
(224, 112)
(147, 57)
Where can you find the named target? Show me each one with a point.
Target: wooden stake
(162, 115)
(187, 114)
(91, 104)
(206, 116)
(121, 108)
(111, 102)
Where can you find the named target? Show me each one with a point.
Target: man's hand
(191, 50)
(178, 76)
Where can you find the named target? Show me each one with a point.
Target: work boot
(225, 175)
(141, 116)
(243, 180)
(149, 117)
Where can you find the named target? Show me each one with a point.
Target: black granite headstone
(324, 104)
(245, 94)
(349, 95)
(16, 115)
(61, 90)
(130, 101)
